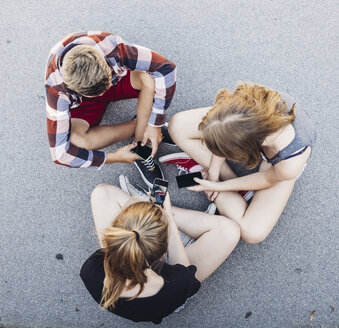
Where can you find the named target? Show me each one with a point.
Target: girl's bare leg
(257, 219)
(183, 129)
(216, 237)
(107, 202)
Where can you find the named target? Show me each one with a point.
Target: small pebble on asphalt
(59, 256)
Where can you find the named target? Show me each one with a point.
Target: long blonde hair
(135, 242)
(239, 122)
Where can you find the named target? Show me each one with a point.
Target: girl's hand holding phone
(154, 135)
(206, 185)
(211, 194)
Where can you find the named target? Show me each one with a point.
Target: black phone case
(144, 152)
(186, 180)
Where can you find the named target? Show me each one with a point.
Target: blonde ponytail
(136, 240)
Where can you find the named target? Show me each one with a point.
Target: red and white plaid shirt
(120, 56)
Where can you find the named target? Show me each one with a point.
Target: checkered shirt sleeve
(121, 56)
(58, 129)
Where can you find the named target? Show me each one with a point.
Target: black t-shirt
(180, 283)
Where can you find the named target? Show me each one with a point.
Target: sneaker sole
(144, 178)
(123, 184)
(211, 209)
(123, 181)
(249, 195)
(169, 144)
(186, 239)
(174, 156)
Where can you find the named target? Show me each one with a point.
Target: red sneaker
(246, 194)
(182, 161)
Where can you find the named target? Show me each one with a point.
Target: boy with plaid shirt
(85, 71)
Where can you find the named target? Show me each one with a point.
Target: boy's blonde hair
(85, 71)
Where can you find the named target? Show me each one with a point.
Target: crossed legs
(95, 137)
(216, 236)
(257, 219)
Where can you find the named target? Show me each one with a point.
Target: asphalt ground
(291, 46)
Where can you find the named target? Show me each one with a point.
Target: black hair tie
(137, 235)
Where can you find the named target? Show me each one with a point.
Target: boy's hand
(124, 154)
(154, 135)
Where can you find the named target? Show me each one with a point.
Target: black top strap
(296, 154)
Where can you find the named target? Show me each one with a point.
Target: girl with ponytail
(258, 128)
(128, 275)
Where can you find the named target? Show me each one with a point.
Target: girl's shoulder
(290, 168)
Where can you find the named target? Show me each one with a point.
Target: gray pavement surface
(291, 46)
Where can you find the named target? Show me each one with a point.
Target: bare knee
(253, 235)
(142, 81)
(228, 230)
(101, 191)
(80, 139)
(173, 124)
(177, 125)
(252, 231)
(79, 132)
(148, 81)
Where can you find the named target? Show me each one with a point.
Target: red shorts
(93, 109)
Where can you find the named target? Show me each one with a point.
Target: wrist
(170, 219)
(213, 175)
(155, 128)
(169, 215)
(222, 186)
(111, 157)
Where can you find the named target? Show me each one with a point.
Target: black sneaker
(166, 136)
(149, 171)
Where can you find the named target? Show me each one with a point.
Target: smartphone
(144, 152)
(186, 180)
(159, 191)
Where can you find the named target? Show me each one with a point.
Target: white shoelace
(149, 164)
(181, 169)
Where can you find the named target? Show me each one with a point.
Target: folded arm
(163, 71)
(284, 171)
(58, 129)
